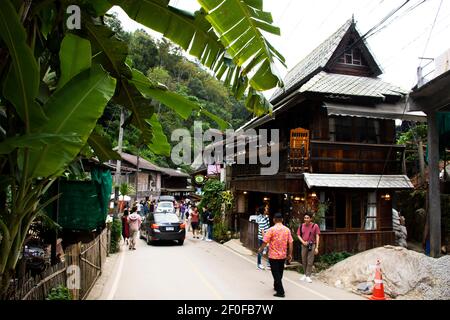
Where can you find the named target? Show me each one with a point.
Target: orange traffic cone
(378, 289)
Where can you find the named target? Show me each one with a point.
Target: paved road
(198, 270)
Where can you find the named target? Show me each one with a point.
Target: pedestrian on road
(205, 223)
(134, 222)
(188, 217)
(152, 206)
(308, 234)
(263, 225)
(138, 206)
(280, 240)
(182, 210)
(125, 227)
(210, 222)
(194, 222)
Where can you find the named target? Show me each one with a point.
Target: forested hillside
(164, 62)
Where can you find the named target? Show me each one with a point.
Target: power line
(370, 32)
(431, 31)
(391, 59)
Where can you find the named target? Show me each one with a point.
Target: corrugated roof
(357, 181)
(341, 84)
(318, 58)
(147, 165)
(143, 164)
(379, 111)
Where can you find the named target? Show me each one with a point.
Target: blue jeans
(260, 242)
(210, 231)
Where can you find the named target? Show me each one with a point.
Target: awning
(357, 181)
(380, 111)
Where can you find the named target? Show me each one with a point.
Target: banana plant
(55, 83)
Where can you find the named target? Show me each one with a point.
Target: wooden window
(329, 222)
(354, 129)
(344, 129)
(371, 212)
(340, 210)
(356, 204)
(332, 128)
(350, 209)
(353, 57)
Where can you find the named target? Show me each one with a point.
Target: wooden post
(433, 186)
(137, 176)
(73, 261)
(421, 163)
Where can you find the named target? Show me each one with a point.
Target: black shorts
(194, 225)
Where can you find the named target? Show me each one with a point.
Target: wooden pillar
(433, 185)
(421, 162)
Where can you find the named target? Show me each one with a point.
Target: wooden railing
(249, 234)
(346, 157)
(337, 157)
(87, 258)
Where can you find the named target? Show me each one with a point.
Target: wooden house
(337, 148)
(153, 180)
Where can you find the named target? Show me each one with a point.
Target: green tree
(56, 82)
(143, 51)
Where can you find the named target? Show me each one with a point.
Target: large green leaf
(141, 108)
(74, 109)
(36, 141)
(159, 143)
(112, 53)
(222, 123)
(239, 24)
(22, 82)
(190, 31)
(103, 148)
(109, 51)
(75, 57)
(257, 103)
(174, 101)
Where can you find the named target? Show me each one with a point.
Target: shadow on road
(164, 243)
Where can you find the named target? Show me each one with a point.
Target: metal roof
(147, 165)
(380, 111)
(340, 84)
(318, 58)
(357, 181)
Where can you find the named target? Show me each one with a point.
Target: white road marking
(113, 290)
(287, 279)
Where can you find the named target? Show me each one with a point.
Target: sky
(305, 24)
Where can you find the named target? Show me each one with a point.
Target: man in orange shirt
(278, 238)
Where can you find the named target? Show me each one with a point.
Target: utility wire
(431, 31)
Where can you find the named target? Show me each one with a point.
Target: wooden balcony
(354, 158)
(336, 157)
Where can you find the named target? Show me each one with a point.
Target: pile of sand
(406, 274)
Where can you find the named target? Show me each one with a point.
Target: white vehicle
(165, 207)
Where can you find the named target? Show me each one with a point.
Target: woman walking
(125, 227)
(194, 222)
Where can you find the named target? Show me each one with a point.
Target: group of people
(279, 240)
(197, 222)
(131, 223)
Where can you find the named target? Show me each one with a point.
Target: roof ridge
(324, 41)
(330, 44)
